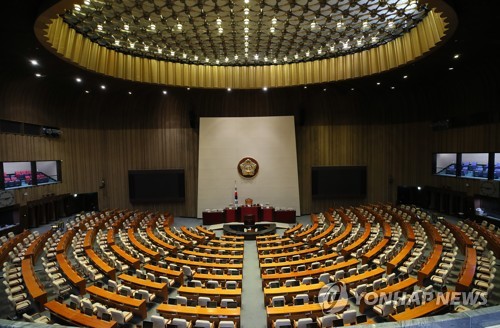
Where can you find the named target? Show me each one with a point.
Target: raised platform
(249, 232)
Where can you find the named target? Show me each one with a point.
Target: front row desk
(267, 213)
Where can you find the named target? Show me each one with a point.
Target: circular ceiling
(243, 32)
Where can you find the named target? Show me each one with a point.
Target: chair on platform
(158, 321)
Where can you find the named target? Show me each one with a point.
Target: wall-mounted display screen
(148, 186)
(28, 174)
(474, 165)
(496, 169)
(338, 181)
(446, 164)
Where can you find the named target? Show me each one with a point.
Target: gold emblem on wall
(248, 167)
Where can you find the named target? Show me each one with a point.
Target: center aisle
(253, 311)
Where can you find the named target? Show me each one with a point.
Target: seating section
(388, 263)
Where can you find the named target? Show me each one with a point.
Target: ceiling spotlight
(164, 92)
(103, 87)
(405, 76)
(450, 68)
(393, 87)
(179, 26)
(195, 57)
(324, 89)
(219, 21)
(38, 75)
(188, 88)
(246, 21)
(247, 1)
(378, 83)
(34, 62)
(246, 11)
(228, 89)
(87, 91)
(130, 92)
(352, 89)
(264, 88)
(274, 21)
(78, 80)
(256, 57)
(126, 27)
(235, 57)
(305, 86)
(272, 29)
(456, 56)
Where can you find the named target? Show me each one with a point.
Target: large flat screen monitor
(148, 186)
(338, 182)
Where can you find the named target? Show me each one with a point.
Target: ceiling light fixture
(34, 62)
(78, 80)
(103, 87)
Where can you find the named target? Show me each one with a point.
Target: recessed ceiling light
(103, 87)
(324, 89)
(305, 86)
(164, 92)
(450, 68)
(78, 80)
(87, 91)
(34, 62)
(38, 75)
(392, 88)
(378, 83)
(130, 92)
(264, 88)
(188, 88)
(405, 76)
(228, 89)
(352, 89)
(456, 56)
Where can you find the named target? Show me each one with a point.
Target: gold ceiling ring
(65, 41)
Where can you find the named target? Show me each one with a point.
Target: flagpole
(235, 195)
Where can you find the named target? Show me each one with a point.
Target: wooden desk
(367, 299)
(226, 243)
(294, 312)
(219, 256)
(402, 255)
(372, 253)
(34, 287)
(160, 242)
(269, 238)
(218, 277)
(292, 230)
(35, 248)
(282, 247)
(178, 276)
(75, 279)
(65, 240)
(313, 273)
(236, 238)
(214, 293)
(341, 237)
(426, 309)
(365, 277)
(158, 288)
(110, 237)
(430, 265)
(432, 232)
(119, 301)
(277, 265)
(323, 234)
(210, 234)
(359, 242)
(75, 317)
(492, 238)
(217, 248)
(105, 268)
(273, 241)
(89, 238)
(304, 233)
(181, 240)
(142, 249)
(196, 264)
(311, 250)
(197, 312)
(132, 261)
(466, 276)
(290, 292)
(192, 235)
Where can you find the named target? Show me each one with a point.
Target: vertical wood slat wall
(106, 135)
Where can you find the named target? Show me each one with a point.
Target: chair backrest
(226, 324)
(202, 323)
(203, 300)
(182, 300)
(325, 277)
(158, 321)
(224, 301)
(278, 301)
(180, 323)
(117, 316)
(282, 323)
(303, 322)
(349, 317)
(327, 320)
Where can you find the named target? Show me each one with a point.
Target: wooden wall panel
(105, 134)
